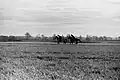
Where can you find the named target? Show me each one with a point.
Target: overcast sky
(79, 17)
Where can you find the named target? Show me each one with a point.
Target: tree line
(43, 38)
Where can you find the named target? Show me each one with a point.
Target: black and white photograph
(59, 39)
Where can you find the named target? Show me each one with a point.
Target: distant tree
(80, 37)
(3, 38)
(95, 38)
(104, 37)
(100, 38)
(119, 38)
(87, 38)
(42, 36)
(38, 36)
(27, 35)
(11, 38)
(54, 35)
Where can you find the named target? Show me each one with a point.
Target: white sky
(79, 17)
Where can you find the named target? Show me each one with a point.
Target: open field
(50, 61)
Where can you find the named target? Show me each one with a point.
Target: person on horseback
(56, 39)
(70, 39)
(76, 40)
(59, 38)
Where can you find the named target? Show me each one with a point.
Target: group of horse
(68, 39)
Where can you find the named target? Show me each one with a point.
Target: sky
(48, 17)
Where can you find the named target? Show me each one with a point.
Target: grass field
(50, 61)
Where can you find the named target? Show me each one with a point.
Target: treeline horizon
(43, 38)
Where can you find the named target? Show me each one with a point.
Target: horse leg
(72, 42)
(76, 42)
(65, 41)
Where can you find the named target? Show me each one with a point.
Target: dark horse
(76, 39)
(70, 39)
(58, 38)
(73, 39)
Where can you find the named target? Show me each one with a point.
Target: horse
(70, 39)
(77, 40)
(58, 38)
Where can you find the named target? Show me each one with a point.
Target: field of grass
(49, 61)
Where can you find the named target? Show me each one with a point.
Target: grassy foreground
(35, 61)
